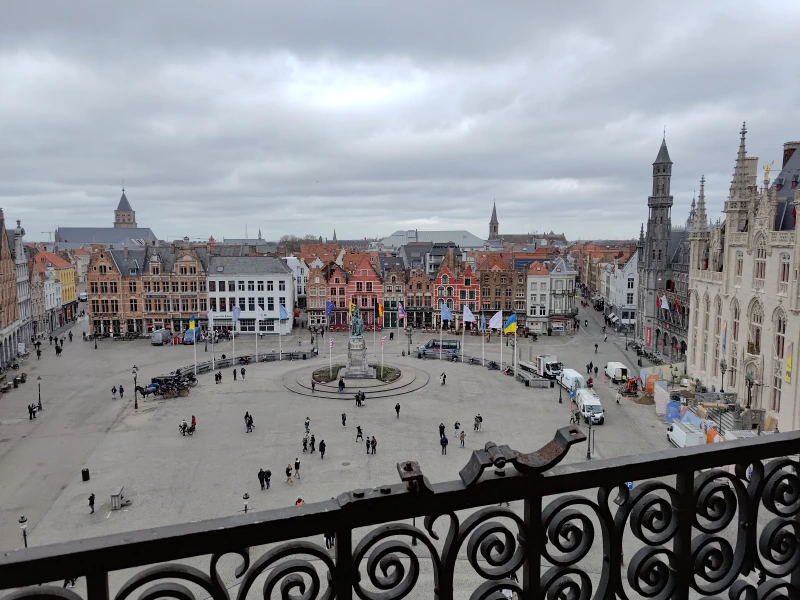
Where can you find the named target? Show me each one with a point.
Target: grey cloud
(360, 117)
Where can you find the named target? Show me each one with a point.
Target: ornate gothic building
(662, 315)
(745, 299)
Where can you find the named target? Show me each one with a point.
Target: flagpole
(195, 351)
(234, 344)
(463, 335)
(280, 346)
(501, 340)
(483, 339)
(441, 327)
(330, 359)
(381, 358)
(257, 337)
(515, 350)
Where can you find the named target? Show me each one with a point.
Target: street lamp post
(723, 366)
(409, 333)
(23, 524)
(134, 371)
(589, 441)
(206, 336)
(559, 393)
(246, 499)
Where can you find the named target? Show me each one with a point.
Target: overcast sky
(367, 117)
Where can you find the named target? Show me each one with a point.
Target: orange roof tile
(538, 268)
(55, 260)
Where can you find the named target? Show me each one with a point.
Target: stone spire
(259, 233)
(493, 223)
(334, 235)
(700, 220)
(740, 178)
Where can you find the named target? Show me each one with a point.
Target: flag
(236, 312)
(329, 306)
(483, 322)
(677, 306)
(664, 303)
(260, 314)
(724, 336)
(468, 316)
(284, 315)
(192, 320)
(496, 322)
(401, 312)
(352, 308)
(383, 339)
(378, 310)
(789, 353)
(210, 315)
(331, 342)
(447, 314)
(511, 324)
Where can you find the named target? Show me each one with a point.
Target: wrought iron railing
(689, 525)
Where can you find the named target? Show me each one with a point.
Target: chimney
(789, 149)
(125, 252)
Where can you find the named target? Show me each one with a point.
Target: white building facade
(247, 282)
(52, 300)
(23, 286)
(745, 294)
(623, 299)
(300, 274)
(538, 286)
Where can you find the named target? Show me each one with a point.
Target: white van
(83, 297)
(589, 406)
(683, 434)
(616, 372)
(435, 347)
(571, 380)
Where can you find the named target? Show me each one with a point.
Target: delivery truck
(548, 366)
(590, 407)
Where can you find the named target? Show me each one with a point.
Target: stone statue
(356, 324)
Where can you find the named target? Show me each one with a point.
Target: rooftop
(247, 265)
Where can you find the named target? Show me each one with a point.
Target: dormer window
(103, 268)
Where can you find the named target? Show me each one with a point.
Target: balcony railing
(695, 526)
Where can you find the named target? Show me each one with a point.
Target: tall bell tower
(659, 222)
(494, 226)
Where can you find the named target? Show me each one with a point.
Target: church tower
(124, 216)
(659, 222)
(493, 224)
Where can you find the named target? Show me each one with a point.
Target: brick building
(502, 288)
(394, 292)
(365, 289)
(38, 313)
(316, 296)
(114, 289)
(337, 279)
(419, 299)
(456, 285)
(9, 316)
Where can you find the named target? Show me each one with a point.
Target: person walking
(289, 474)
(305, 444)
(243, 372)
(313, 443)
(91, 502)
(267, 477)
(114, 393)
(341, 384)
(475, 425)
(441, 429)
(397, 409)
(313, 386)
(595, 372)
(308, 424)
(462, 436)
(234, 374)
(442, 378)
(595, 348)
(618, 397)
(588, 369)
(261, 478)
(480, 422)
(297, 468)
(322, 449)
(31, 413)
(358, 433)
(51, 340)
(456, 426)
(38, 354)
(369, 444)
(246, 418)
(444, 443)
(374, 444)
(121, 392)
(344, 420)
(605, 338)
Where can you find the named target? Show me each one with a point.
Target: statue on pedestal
(356, 323)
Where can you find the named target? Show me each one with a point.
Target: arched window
(779, 322)
(394, 279)
(707, 315)
(780, 333)
(696, 311)
(756, 323)
(783, 275)
(445, 279)
(449, 291)
(440, 291)
(717, 331)
(449, 303)
(760, 271)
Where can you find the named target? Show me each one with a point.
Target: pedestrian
(480, 422)
(121, 392)
(462, 436)
(243, 372)
(38, 354)
(397, 409)
(216, 378)
(475, 425)
(246, 417)
(194, 421)
(344, 420)
(456, 426)
(297, 467)
(289, 474)
(441, 429)
(619, 396)
(605, 338)
(114, 393)
(313, 386)
(444, 442)
(588, 369)
(250, 424)
(58, 351)
(341, 384)
(91, 502)
(374, 444)
(363, 399)
(51, 340)
(313, 443)
(595, 372)
(369, 444)
(358, 433)
(234, 374)
(305, 444)
(591, 365)
(308, 424)
(267, 477)
(30, 413)
(442, 378)
(322, 449)
(261, 478)
(595, 348)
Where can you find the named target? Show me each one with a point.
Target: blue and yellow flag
(511, 324)
(352, 308)
(192, 320)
